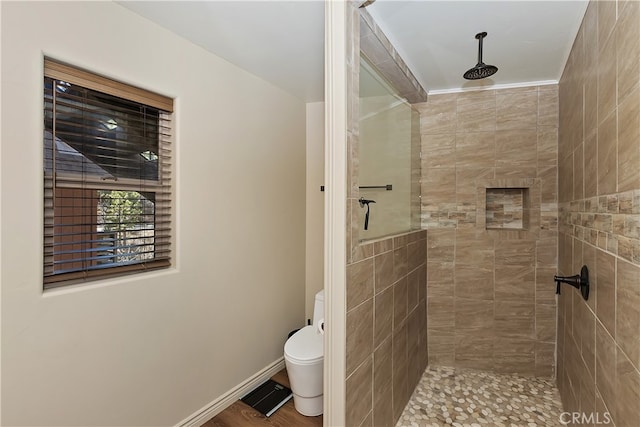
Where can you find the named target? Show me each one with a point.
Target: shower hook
(364, 202)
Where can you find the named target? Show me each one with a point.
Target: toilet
(304, 358)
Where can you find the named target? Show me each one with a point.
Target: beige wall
(599, 175)
(315, 205)
(151, 349)
(490, 292)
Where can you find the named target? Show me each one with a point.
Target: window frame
(162, 188)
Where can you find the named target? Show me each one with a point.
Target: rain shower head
(481, 70)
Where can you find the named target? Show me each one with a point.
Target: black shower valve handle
(578, 281)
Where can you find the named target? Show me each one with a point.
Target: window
(107, 177)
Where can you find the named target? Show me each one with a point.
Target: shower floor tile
(463, 397)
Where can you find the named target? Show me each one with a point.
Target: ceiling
(283, 41)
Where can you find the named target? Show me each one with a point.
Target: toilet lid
(305, 345)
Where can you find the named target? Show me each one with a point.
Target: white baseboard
(212, 409)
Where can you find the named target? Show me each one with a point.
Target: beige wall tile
(578, 172)
(441, 347)
(517, 109)
(547, 252)
(590, 34)
(515, 282)
(416, 254)
(384, 276)
(476, 111)
(545, 286)
(607, 92)
(438, 184)
(359, 335)
(628, 137)
(515, 318)
(414, 362)
(587, 393)
(606, 21)
(512, 355)
(474, 351)
(588, 342)
(383, 316)
(400, 262)
(471, 251)
(606, 367)
(516, 252)
(565, 180)
(591, 101)
(359, 392)
(467, 182)
(548, 107)
(627, 392)
(549, 187)
(473, 315)
(413, 290)
(628, 310)
(438, 151)
(628, 44)
(475, 149)
(474, 281)
(516, 148)
(547, 146)
(382, 383)
(591, 166)
(359, 282)
(589, 253)
(440, 313)
(546, 322)
(607, 150)
(400, 290)
(606, 297)
(601, 409)
(545, 355)
(441, 245)
(440, 272)
(438, 115)
(400, 374)
(382, 246)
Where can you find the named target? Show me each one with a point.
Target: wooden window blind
(107, 177)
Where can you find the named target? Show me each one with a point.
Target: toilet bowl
(304, 359)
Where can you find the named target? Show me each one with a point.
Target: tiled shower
(517, 185)
(490, 289)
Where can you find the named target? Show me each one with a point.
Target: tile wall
(386, 328)
(386, 347)
(599, 192)
(490, 292)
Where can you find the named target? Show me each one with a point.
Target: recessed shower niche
(507, 208)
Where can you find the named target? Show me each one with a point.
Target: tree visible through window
(107, 177)
(125, 226)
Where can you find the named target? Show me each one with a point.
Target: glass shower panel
(389, 158)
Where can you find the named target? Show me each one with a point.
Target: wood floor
(242, 415)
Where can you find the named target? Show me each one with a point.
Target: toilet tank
(318, 307)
